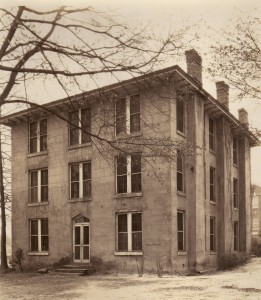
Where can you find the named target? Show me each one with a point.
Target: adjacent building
(69, 201)
(256, 212)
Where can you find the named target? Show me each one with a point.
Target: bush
(230, 261)
(18, 258)
(256, 247)
(63, 261)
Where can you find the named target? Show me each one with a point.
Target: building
(256, 212)
(67, 201)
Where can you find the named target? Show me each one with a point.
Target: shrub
(230, 261)
(256, 247)
(18, 258)
(63, 261)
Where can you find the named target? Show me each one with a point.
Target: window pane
(34, 178)
(86, 252)
(77, 236)
(86, 235)
(44, 193)
(44, 177)
(33, 129)
(44, 243)
(211, 142)
(34, 243)
(43, 127)
(87, 188)
(87, 171)
(121, 107)
(211, 193)
(121, 165)
(212, 248)
(211, 175)
(135, 104)
(135, 123)
(77, 252)
(86, 124)
(135, 183)
(180, 182)
(122, 242)
(34, 195)
(211, 126)
(74, 136)
(135, 164)
(180, 221)
(34, 227)
(181, 241)
(43, 143)
(122, 223)
(179, 163)
(33, 145)
(75, 190)
(211, 226)
(136, 241)
(86, 138)
(121, 116)
(136, 222)
(74, 118)
(121, 184)
(44, 226)
(75, 173)
(180, 116)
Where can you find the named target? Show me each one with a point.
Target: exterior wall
(256, 213)
(159, 201)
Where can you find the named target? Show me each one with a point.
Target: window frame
(182, 116)
(127, 115)
(80, 133)
(212, 235)
(180, 173)
(236, 236)
(39, 136)
(80, 181)
(235, 193)
(129, 174)
(39, 236)
(212, 184)
(183, 231)
(212, 135)
(129, 233)
(38, 186)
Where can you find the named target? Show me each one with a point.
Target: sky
(164, 16)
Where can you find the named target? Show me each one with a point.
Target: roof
(212, 106)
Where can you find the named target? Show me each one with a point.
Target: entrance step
(80, 269)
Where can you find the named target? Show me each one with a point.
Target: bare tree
(72, 47)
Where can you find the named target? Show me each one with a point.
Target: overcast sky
(164, 16)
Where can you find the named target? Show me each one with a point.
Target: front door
(81, 243)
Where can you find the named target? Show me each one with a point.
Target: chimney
(243, 117)
(222, 93)
(194, 65)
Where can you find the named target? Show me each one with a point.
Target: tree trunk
(4, 264)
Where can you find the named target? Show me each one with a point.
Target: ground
(241, 283)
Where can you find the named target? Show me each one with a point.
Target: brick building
(68, 201)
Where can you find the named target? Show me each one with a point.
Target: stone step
(67, 270)
(76, 266)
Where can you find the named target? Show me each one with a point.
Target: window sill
(235, 165)
(128, 195)
(85, 199)
(37, 153)
(236, 208)
(181, 134)
(181, 194)
(38, 204)
(212, 151)
(77, 146)
(212, 202)
(124, 136)
(38, 253)
(181, 253)
(129, 253)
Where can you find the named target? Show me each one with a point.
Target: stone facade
(159, 201)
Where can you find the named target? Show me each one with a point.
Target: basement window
(38, 136)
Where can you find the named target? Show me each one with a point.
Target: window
(38, 136)
(80, 122)
(38, 186)
(39, 235)
(181, 230)
(235, 192)
(236, 236)
(180, 116)
(212, 184)
(80, 180)
(235, 151)
(211, 134)
(128, 115)
(212, 234)
(180, 172)
(129, 174)
(129, 232)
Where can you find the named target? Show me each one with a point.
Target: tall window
(235, 192)
(38, 186)
(80, 125)
(39, 235)
(212, 184)
(180, 116)
(212, 234)
(236, 240)
(38, 136)
(211, 134)
(129, 232)
(181, 230)
(80, 180)
(128, 115)
(180, 172)
(129, 174)
(235, 151)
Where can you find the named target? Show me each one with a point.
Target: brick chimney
(222, 93)
(243, 117)
(194, 65)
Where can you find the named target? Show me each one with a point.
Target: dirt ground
(241, 283)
